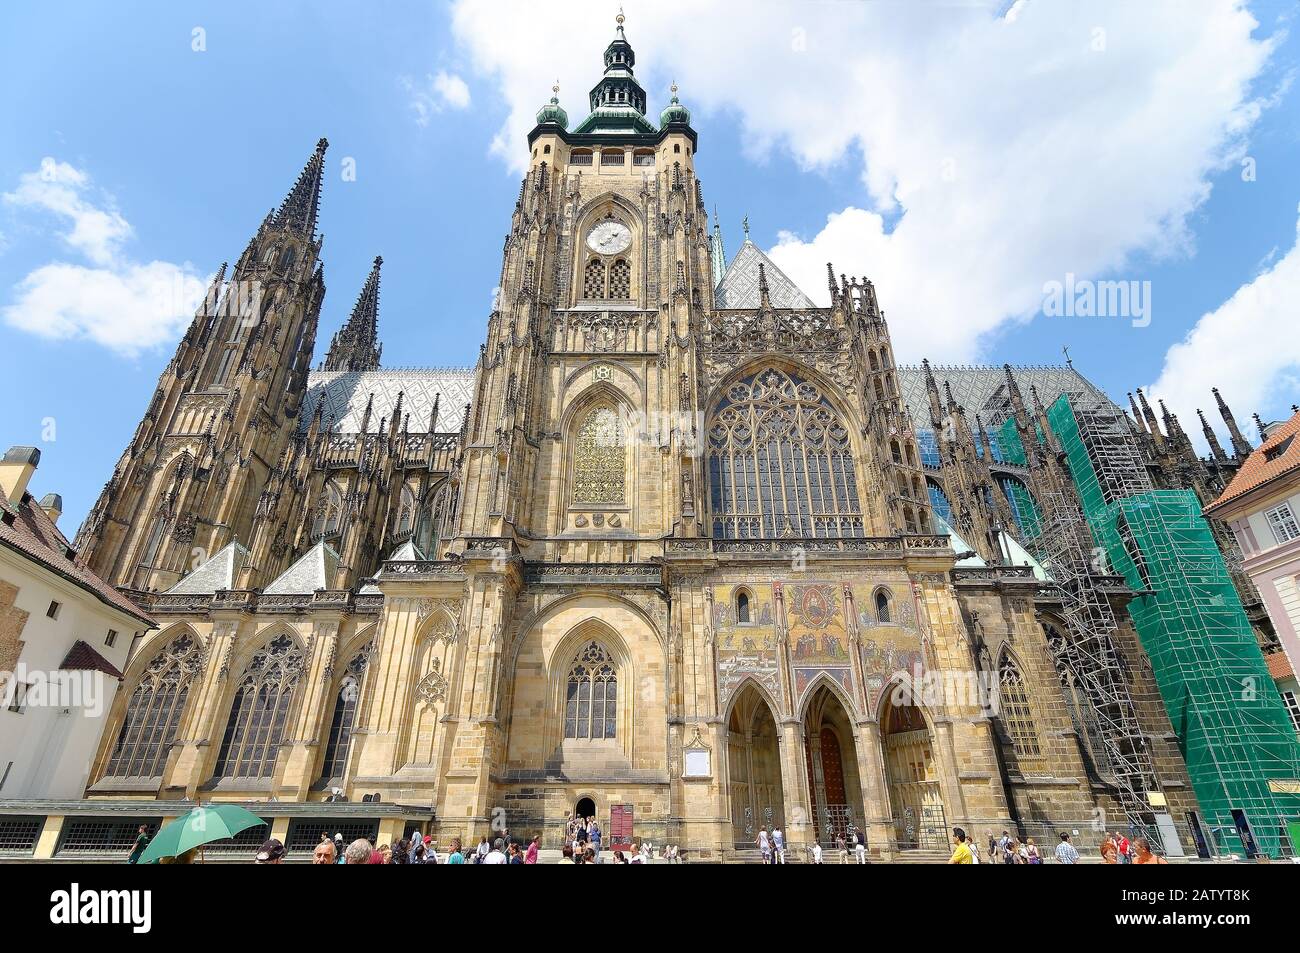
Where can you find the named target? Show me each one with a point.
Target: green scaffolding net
(1236, 736)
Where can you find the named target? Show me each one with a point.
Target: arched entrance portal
(585, 807)
(753, 768)
(913, 778)
(834, 787)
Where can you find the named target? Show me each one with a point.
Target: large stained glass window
(780, 462)
(591, 696)
(1013, 709)
(599, 460)
(153, 714)
(335, 762)
(260, 711)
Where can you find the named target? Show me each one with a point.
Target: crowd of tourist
(1009, 849)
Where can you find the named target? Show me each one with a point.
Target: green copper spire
(552, 111)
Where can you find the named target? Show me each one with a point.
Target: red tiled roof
(82, 656)
(1279, 666)
(34, 534)
(1258, 469)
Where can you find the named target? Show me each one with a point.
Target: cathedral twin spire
(355, 346)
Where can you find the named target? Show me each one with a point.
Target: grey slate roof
(982, 389)
(314, 570)
(345, 394)
(217, 573)
(739, 286)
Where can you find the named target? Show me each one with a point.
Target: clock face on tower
(609, 238)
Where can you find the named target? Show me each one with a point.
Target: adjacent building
(65, 636)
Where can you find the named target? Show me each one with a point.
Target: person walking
(497, 855)
(1031, 852)
(764, 845)
(960, 852)
(454, 855)
(1065, 852)
(534, 846)
(778, 845)
(817, 852)
(859, 846)
(324, 852)
(1122, 847)
(141, 842)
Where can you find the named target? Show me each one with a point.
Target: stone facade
(671, 556)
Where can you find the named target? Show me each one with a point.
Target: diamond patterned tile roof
(983, 390)
(345, 394)
(217, 573)
(739, 286)
(314, 570)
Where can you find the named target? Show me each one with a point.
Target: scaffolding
(1065, 548)
(1241, 752)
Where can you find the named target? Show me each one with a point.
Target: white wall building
(65, 636)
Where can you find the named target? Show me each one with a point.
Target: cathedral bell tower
(582, 439)
(223, 411)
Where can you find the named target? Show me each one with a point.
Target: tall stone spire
(1215, 447)
(299, 208)
(1240, 445)
(355, 346)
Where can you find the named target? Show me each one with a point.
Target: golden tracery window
(780, 462)
(599, 459)
(591, 695)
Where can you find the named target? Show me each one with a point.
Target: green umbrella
(200, 826)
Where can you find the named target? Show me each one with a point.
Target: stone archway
(912, 774)
(834, 785)
(753, 768)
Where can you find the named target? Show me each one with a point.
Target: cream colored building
(665, 556)
(64, 635)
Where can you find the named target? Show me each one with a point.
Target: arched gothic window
(591, 695)
(882, 606)
(1086, 726)
(742, 607)
(593, 279)
(260, 710)
(599, 459)
(1013, 709)
(154, 712)
(406, 512)
(780, 462)
(620, 280)
(330, 514)
(335, 762)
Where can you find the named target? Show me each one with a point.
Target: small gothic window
(259, 714)
(599, 460)
(593, 279)
(153, 714)
(406, 512)
(882, 606)
(742, 607)
(330, 513)
(335, 762)
(1013, 709)
(591, 695)
(287, 259)
(620, 280)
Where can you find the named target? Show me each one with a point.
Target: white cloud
(126, 306)
(438, 92)
(995, 153)
(1258, 374)
(59, 188)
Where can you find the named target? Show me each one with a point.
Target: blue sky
(168, 157)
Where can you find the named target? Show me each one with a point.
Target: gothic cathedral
(668, 554)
